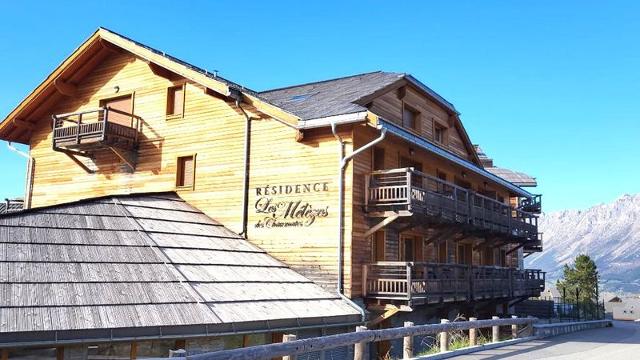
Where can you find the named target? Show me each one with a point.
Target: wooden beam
(5, 354)
(381, 224)
(24, 124)
(110, 47)
(72, 155)
(163, 72)
(133, 353)
(126, 158)
(515, 249)
(65, 88)
(389, 311)
(60, 353)
(439, 237)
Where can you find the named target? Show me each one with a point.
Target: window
(186, 173)
(407, 249)
(377, 246)
(378, 158)
(439, 133)
(175, 100)
(464, 255)
(122, 107)
(409, 117)
(443, 256)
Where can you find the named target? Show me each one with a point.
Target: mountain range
(608, 233)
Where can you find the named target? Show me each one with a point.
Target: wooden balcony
(11, 205)
(407, 192)
(430, 283)
(84, 133)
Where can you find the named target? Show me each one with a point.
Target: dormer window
(409, 117)
(439, 133)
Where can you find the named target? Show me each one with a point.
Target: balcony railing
(422, 282)
(93, 128)
(11, 205)
(417, 192)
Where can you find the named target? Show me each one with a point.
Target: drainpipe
(29, 179)
(343, 162)
(245, 183)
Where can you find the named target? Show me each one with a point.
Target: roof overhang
(432, 148)
(19, 123)
(81, 336)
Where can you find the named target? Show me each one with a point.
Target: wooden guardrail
(437, 282)
(362, 336)
(412, 190)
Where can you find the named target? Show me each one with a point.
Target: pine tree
(582, 275)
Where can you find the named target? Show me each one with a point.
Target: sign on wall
(283, 206)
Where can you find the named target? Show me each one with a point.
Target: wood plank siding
(212, 129)
(293, 180)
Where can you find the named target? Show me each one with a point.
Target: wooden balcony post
(409, 197)
(444, 337)
(287, 338)
(359, 349)
(407, 344)
(367, 179)
(495, 331)
(473, 334)
(365, 275)
(409, 281)
(78, 128)
(514, 328)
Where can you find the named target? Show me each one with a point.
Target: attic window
(186, 172)
(439, 133)
(409, 117)
(175, 100)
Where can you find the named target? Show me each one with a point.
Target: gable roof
(514, 177)
(345, 95)
(18, 123)
(330, 97)
(142, 265)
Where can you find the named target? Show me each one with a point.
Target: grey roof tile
(330, 97)
(144, 261)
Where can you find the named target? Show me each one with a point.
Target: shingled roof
(120, 267)
(329, 97)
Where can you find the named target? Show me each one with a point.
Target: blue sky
(546, 87)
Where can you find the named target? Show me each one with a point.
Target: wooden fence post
(359, 349)
(444, 338)
(495, 331)
(408, 343)
(287, 338)
(514, 328)
(473, 341)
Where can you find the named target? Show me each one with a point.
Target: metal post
(578, 302)
(473, 334)
(495, 331)
(359, 349)
(287, 338)
(514, 328)
(407, 344)
(444, 338)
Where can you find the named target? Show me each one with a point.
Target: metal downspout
(343, 161)
(29, 177)
(245, 183)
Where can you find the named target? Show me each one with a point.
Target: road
(622, 341)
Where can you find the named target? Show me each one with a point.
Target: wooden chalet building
(167, 206)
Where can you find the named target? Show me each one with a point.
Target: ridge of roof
(330, 80)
